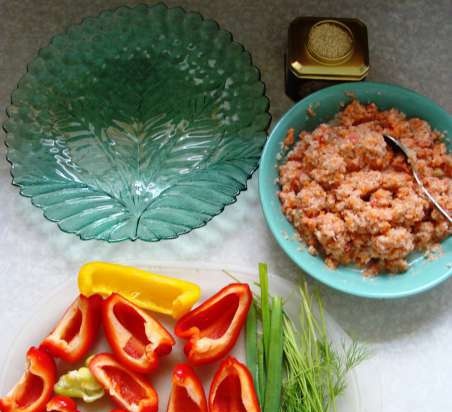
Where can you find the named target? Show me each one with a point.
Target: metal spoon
(400, 147)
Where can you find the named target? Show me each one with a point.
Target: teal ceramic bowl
(423, 274)
(140, 123)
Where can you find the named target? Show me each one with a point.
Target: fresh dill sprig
(315, 371)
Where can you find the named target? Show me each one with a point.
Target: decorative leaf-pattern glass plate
(141, 123)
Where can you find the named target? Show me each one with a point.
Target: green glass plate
(423, 273)
(141, 123)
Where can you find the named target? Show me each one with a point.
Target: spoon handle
(430, 197)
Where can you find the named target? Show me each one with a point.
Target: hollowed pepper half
(35, 387)
(187, 392)
(76, 331)
(213, 328)
(137, 339)
(232, 389)
(128, 389)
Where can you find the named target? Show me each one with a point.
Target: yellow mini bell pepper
(147, 290)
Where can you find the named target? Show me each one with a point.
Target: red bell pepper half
(232, 389)
(61, 403)
(214, 326)
(76, 331)
(128, 389)
(187, 392)
(137, 339)
(35, 387)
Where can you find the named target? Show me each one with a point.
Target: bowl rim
(267, 161)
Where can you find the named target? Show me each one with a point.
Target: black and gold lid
(328, 48)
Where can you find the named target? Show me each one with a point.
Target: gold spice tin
(323, 51)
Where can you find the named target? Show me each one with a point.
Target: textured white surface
(410, 45)
(410, 338)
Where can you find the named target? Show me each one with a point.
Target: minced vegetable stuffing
(352, 199)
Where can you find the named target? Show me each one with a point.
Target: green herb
(315, 371)
(261, 371)
(298, 356)
(265, 307)
(265, 363)
(251, 344)
(275, 358)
